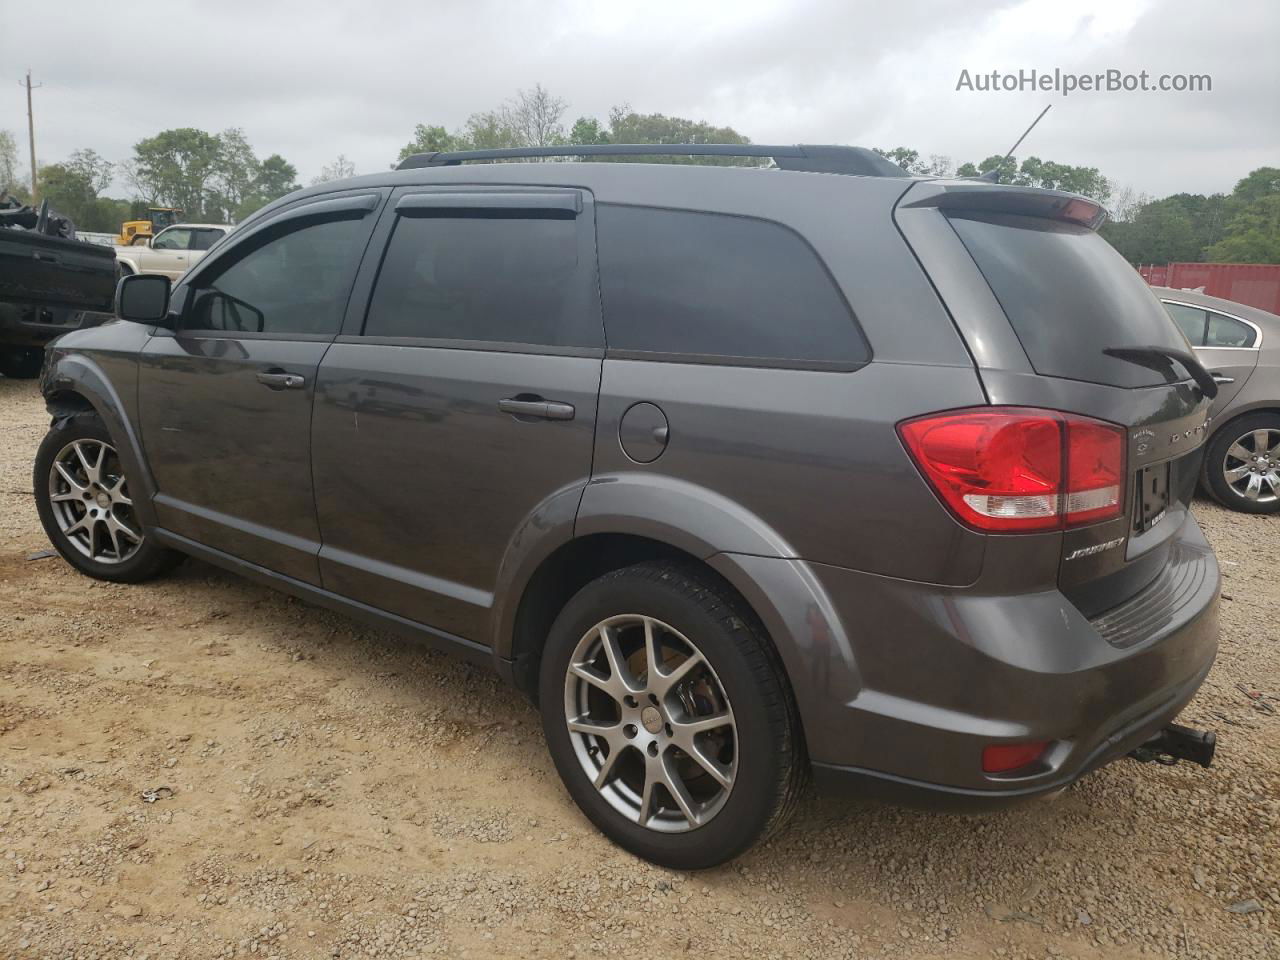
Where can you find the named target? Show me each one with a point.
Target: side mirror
(143, 298)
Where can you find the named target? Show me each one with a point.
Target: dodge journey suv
(744, 475)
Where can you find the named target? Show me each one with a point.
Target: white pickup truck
(172, 251)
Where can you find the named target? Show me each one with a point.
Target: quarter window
(1226, 332)
(297, 283)
(721, 287)
(494, 279)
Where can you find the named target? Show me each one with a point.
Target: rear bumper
(944, 672)
(833, 779)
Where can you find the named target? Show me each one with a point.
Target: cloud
(310, 81)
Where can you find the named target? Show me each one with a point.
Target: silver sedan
(1240, 346)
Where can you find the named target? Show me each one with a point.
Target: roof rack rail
(813, 158)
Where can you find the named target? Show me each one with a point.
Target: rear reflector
(1005, 469)
(1003, 757)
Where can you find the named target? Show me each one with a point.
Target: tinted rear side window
(1069, 296)
(714, 286)
(504, 280)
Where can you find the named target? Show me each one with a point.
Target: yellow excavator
(140, 231)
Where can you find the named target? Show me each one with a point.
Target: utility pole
(31, 137)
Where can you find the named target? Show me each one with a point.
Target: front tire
(82, 496)
(668, 716)
(21, 363)
(1242, 464)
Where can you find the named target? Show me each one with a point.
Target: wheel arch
(1263, 406)
(561, 574)
(73, 384)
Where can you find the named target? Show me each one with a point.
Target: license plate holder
(1152, 500)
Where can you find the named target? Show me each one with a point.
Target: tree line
(217, 177)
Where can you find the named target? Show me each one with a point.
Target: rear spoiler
(994, 198)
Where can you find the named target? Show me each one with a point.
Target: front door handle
(279, 380)
(1219, 378)
(526, 406)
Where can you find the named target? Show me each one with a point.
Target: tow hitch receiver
(1175, 743)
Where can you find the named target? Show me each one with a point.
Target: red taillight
(1018, 468)
(1003, 757)
(1095, 470)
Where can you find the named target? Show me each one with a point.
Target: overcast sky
(313, 80)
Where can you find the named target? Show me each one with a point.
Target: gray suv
(744, 475)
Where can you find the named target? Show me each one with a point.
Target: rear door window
(204, 239)
(1190, 320)
(684, 285)
(1069, 295)
(488, 279)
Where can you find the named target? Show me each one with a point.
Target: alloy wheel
(90, 501)
(650, 723)
(1251, 466)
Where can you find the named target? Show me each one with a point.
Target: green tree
(487, 131)
(430, 139)
(627, 126)
(214, 177)
(1160, 232)
(73, 186)
(534, 118)
(1261, 183)
(1034, 172)
(1252, 235)
(179, 168)
(911, 161)
(235, 173)
(276, 177)
(588, 131)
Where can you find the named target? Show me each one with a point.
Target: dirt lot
(333, 793)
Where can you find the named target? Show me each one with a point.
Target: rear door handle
(279, 380)
(542, 409)
(1219, 378)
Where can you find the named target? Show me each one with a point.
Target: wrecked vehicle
(49, 281)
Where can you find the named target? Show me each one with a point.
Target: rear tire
(1242, 464)
(21, 363)
(718, 691)
(83, 500)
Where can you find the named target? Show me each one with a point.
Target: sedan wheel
(650, 723)
(1251, 466)
(90, 501)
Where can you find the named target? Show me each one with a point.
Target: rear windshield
(1069, 296)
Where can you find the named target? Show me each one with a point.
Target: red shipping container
(1257, 284)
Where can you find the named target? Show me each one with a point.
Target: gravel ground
(318, 789)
